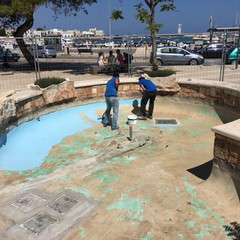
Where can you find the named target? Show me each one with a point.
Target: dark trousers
(148, 96)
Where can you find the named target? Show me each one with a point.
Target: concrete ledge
(27, 94)
(207, 83)
(229, 130)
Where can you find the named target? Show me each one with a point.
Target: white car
(43, 51)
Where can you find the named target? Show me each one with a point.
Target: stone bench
(84, 50)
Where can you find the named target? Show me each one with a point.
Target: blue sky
(192, 14)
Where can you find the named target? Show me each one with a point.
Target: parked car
(231, 55)
(9, 56)
(176, 55)
(43, 51)
(212, 50)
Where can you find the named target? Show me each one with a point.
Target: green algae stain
(178, 195)
(7, 173)
(200, 235)
(104, 176)
(190, 224)
(196, 132)
(65, 179)
(132, 205)
(82, 232)
(148, 236)
(128, 159)
(82, 191)
(39, 172)
(107, 190)
(180, 235)
(203, 211)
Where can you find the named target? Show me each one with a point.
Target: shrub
(160, 73)
(45, 82)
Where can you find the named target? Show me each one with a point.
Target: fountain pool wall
(27, 104)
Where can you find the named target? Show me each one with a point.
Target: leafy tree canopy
(19, 15)
(145, 13)
(15, 12)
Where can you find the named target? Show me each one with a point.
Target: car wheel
(233, 62)
(15, 60)
(193, 62)
(44, 55)
(159, 62)
(54, 56)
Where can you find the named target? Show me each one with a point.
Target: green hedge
(45, 82)
(160, 73)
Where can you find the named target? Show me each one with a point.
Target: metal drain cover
(166, 121)
(38, 223)
(63, 204)
(48, 214)
(28, 202)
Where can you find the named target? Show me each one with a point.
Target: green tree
(19, 15)
(146, 14)
(2, 32)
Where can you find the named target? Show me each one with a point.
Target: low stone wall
(214, 93)
(227, 136)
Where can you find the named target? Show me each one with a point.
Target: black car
(212, 50)
(9, 56)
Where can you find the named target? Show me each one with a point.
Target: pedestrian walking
(111, 98)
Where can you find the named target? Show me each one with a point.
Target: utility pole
(211, 28)
(109, 23)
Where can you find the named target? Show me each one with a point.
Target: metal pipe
(130, 132)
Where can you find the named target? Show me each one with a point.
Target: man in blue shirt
(111, 97)
(149, 91)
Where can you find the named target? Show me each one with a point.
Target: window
(166, 50)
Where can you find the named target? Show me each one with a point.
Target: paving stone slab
(51, 218)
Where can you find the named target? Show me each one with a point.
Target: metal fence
(74, 59)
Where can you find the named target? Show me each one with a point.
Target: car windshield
(49, 47)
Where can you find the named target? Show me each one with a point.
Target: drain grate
(38, 223)
(166, 121)
(28, 202)
(63, 204)
(46, 215)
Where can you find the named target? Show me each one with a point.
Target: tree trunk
(153, 36)
(19, 38)
(154, 52)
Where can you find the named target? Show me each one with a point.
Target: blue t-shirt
(148, 84)
(110, 88)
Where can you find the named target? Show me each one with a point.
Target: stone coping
(25, 94)
(208, 83)
(78, 84)
(229, 130)
(21, 95)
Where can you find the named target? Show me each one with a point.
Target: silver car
(43, 51)
(177, 55)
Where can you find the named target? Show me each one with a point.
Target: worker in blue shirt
(149, 91)
(111, 97)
